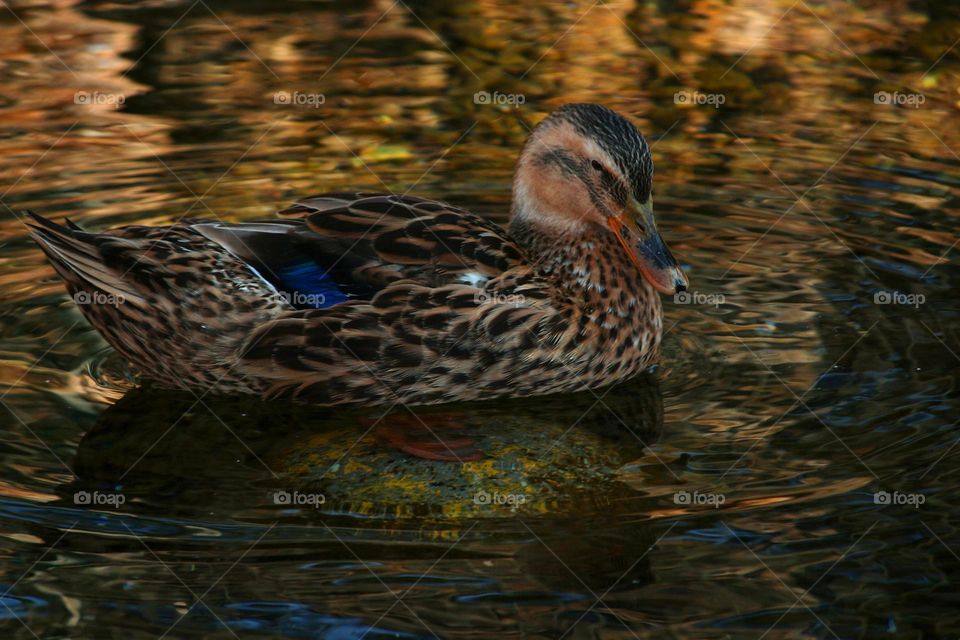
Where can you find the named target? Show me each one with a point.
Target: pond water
(788, 471)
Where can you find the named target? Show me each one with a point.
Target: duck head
(587, 170)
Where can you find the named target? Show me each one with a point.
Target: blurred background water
(789, 471)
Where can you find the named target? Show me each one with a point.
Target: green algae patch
(531, 462)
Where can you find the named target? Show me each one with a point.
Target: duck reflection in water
(562, 451)
(149, 442)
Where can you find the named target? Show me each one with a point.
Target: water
(789, 471)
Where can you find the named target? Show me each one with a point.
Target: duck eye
(596, 165)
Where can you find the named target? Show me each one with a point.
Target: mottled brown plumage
(388, 298)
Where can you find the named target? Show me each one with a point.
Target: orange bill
(651, 257)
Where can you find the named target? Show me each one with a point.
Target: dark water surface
(789, 471)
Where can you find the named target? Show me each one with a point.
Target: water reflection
(797, 398)
(147, 448)
(533, 456)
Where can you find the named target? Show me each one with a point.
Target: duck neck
(590, 265)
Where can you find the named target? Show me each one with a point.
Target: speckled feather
(462, 309)
(194, 315)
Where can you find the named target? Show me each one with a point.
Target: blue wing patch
(307, 274)
(310, 286)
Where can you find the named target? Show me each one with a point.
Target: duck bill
(658, 265)
(650, 253)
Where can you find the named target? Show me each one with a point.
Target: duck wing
(429, 330)
(339, 247)
(425, 240)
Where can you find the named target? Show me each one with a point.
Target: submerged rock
(531, 455)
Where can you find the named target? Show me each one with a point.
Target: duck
(385, 298)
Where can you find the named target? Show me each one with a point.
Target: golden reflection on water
(750, 193)
(795, 200)
(205, 137)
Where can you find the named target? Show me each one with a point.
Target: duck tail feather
(76, 258)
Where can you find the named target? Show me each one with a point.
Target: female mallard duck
(392, 298)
